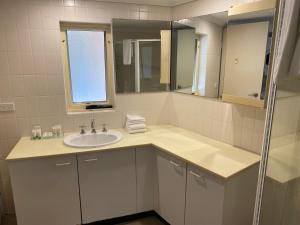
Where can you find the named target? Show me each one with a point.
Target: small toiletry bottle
(54, 131)
(59, 131)
(38, 130)
(33, 134)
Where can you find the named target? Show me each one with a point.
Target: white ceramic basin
(90, 140)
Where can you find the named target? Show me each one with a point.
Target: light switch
(7, 107)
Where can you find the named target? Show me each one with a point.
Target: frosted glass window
(87, 65)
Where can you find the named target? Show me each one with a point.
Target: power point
(7, 107)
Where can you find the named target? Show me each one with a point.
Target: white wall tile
(2, 41)
(39, 63)
(37, 40)
(21, 108)
(15, 63)
(24, 40)
(5, 87)
(53, 63)
(18, 88)
(35, 18)
(4, 64)
(23, 126)
(11, 38)
(27, 64)
(32, 105)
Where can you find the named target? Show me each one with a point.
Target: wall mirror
(142, 51)
(248, 53)
(197, 58)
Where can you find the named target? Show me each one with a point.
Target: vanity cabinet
(171, 175)
(90, 187)
(46, 191)
(211, 200)
(107, 183)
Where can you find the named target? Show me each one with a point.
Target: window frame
(81, 107)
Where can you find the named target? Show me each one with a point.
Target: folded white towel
(134, 122)
(130, 117)
(135, 126)
(135, 119)
(136, 131)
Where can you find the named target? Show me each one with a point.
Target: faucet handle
(82, 131)
(104, 128)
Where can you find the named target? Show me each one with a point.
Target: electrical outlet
(7, 107)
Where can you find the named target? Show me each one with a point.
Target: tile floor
(11, 220)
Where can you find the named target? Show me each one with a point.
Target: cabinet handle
(63, 164)
(174, 163)
(197, 176)
(91, 160)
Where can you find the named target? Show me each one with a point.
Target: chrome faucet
(93, 130)
(104, 129)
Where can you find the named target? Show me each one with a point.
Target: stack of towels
(135, 124)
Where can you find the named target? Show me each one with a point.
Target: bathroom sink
(91, 140)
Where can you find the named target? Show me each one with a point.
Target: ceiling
(152, 2)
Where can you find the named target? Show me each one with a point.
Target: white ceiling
(152, 2)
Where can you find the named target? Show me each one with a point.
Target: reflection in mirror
(142, 55)
(248, 52)
(197, 61)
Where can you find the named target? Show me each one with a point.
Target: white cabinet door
(245, 58)
(171, 174)
(107, 184)
(204, 199)
(46, 191)
(145, 173)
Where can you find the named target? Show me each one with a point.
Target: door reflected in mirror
(197, 57)
(142, 55)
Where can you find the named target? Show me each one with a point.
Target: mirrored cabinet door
(248, 51)
(197, 58)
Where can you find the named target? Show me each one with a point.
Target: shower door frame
(138, 61)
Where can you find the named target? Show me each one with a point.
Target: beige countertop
(216, 157)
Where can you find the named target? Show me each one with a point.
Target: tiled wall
(238, 125)
(31, 76)
(31, 68)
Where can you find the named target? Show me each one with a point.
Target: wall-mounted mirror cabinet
(142, 55)
(248, 53)
(225, 55)
(197, 59)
